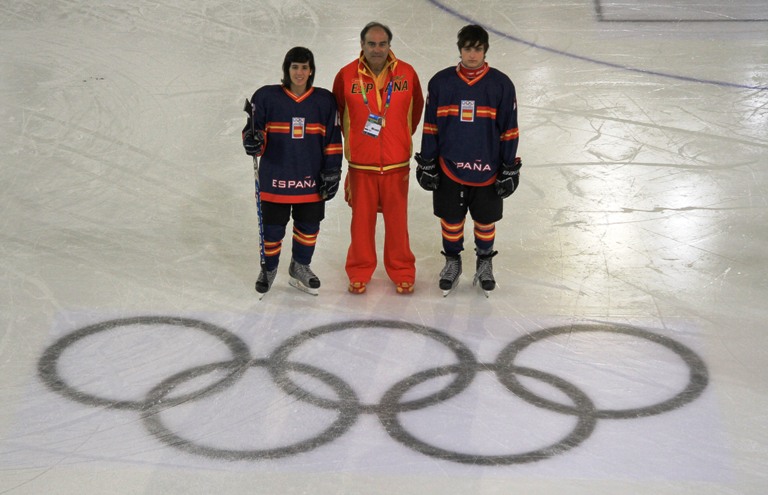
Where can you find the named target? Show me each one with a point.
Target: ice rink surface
(623, 352)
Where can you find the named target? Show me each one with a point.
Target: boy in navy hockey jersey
(294, 130)
(468, 154)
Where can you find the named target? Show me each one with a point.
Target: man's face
(472, 56)
(375, 48)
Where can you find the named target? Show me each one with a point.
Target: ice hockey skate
(303, 278)
(264, 282)
(449, 275)
(484, 273)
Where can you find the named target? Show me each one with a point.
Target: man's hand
(329, 183)
(426, 173)
(253, 142)
(508, 178)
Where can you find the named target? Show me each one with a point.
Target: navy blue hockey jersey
(470, 125)
(303, 137)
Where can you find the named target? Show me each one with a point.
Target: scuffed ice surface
(125, 193)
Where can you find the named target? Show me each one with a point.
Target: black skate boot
(484, 273)
(303, 278)
(264, 282)
(449, 276)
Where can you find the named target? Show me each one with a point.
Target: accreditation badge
(467, 111)
(297, 128)
(373, 125)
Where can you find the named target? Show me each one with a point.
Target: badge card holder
(373, 125)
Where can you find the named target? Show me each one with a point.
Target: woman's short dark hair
(298, 54)
(473, 35)
(375, 24)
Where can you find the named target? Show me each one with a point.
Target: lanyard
(365, 95)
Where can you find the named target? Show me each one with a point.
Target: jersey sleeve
(259, 104)
(338, 92)
(257, 115)
(332, 148)
(248, 122)
(258, 111)
(429, 136)
(508, 130)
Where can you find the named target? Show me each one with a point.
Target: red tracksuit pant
(368, 193)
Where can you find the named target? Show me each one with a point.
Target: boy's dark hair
(300, 55)
(375, 24)
(473, 35)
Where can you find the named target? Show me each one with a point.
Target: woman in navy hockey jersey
(468, 154)
(294, 129)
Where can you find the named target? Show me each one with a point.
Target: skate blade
(448, 291)
(303, 288)
(487, 293)
(260, 295)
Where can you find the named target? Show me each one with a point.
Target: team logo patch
(467, 111)
(297, 128)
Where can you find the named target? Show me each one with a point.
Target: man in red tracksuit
(380, 104)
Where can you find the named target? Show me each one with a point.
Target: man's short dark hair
(301, 55)
(473, 35)
(375, 24)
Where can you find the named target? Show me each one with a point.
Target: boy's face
(472, 56)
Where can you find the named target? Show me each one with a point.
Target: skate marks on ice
(338, 402)
(653, 12)
(680, 12)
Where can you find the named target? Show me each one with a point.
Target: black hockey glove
(329, 183)
(426, 173)
(253, 144)
(508, 178)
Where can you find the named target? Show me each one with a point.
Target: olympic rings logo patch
(341, 400)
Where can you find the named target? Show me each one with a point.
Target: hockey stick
(262, 254)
